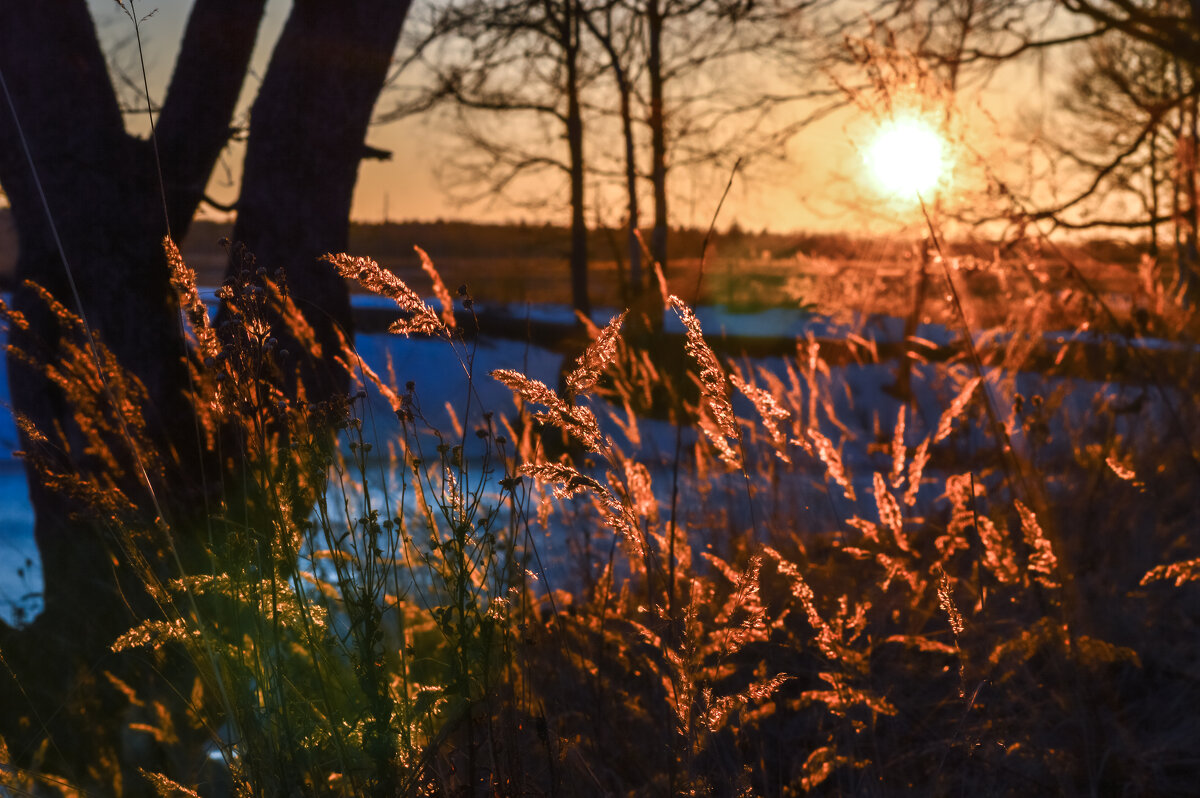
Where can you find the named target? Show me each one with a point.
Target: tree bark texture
(103, 193)
(307, 128)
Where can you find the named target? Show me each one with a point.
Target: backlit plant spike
(295, 323)
(844, 697)
(575, 420)
(728, 571)
(899, 451)
(869, 530)
(661, 281)
(958, 488)
(183, 280)
(13, 317)
(356, 365)
(896, 568)
(946, 602)
(833, 462)
(958, 491)
(1178, 572)
(620, 515)
(165, 787)
(439, 287)
(719, 708)
(373, 277)
(955, 408)
(820, 766)
(154, 634)
(568, 482)
(641, 493)
(916, 469)
(712, 377)
(827, 639)
(1123, 471)
(596, 357)
(769, 411)
(889, 511)
(1042, 561)
(743, 603)
(998, 555)
(713, 432)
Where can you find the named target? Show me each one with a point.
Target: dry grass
(811, 596)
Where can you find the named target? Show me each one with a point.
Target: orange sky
(822, 186)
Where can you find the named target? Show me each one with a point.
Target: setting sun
(906, 158)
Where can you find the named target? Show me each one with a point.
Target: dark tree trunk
(658, 132)
(307, 129)
(1191, 154)
(607, 40)
(1186, 207)
(194, 125)
(104, 197)
(631, 188)
(1155, 183)
(579, 246)
(102, 193)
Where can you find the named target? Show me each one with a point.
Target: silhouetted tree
(1136, 94)
(91, 218)
(1131, 105)
(1171, 27)
(614, 29)
(689, 73)
(516, 65)
(719, 82)
(1129, 130)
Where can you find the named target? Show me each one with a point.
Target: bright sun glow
(906, 158)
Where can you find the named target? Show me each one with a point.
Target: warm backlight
(906, 158)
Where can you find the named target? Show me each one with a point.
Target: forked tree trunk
(102, 192)
(307, 129)
(104, 197)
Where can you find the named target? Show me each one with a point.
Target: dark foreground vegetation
(963, 562)
(797, 594)
(497, 259)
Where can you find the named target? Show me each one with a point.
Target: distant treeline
(460, 240)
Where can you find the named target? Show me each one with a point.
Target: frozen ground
(441, 378)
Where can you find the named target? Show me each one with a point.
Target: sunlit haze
(817, 183)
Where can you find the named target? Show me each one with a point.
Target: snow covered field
(857, 394)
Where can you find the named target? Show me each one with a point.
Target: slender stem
(1008, 455)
